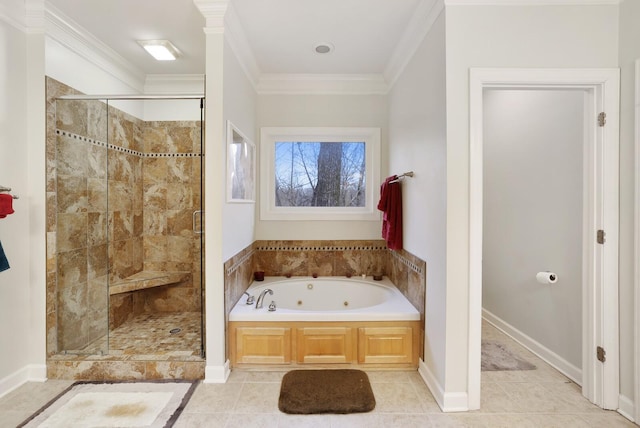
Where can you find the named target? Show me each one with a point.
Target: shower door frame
(600, 381)
(131, 97)
(636, 252)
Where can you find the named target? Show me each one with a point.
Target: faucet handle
(250, 298)
(272, 306)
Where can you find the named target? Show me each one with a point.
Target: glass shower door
(78, 160)
(127, 217)
(154, 190)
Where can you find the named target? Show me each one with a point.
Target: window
(319, 173)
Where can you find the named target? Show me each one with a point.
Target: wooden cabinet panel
(325, 345)
(374, 344)
(263, 345)
(385, 345)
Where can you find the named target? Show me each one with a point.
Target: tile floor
(534, 398)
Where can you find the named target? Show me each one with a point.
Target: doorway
(533, 193)
(598, 306)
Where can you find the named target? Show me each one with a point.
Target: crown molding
(213, 12)
(322, 84)
(68, 33)
(421, 22)
(530, 2)
(235, 35)
(14, 14)
(35, 11)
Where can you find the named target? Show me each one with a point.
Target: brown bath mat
(326, 391)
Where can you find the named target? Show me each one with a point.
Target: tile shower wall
(168, 193)
(325, 258)
(172, 192)
(153, 186)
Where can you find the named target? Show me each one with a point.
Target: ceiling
(281, 34)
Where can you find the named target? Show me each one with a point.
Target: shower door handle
(197, 213)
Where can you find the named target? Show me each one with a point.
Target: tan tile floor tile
(541, 398)
(214, 398)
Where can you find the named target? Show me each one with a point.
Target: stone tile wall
(409, 274)
(324, 258)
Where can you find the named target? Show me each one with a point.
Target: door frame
(600, 382)
(636, 263)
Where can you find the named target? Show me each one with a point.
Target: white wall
(239, 100)
(317, 111)
(22, 167)
(417, 142)
(629, 51)
(502, 36)
(73, 70)
(14, 230)
(170, 110)
(533, 194)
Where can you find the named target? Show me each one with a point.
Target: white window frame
(270, 135)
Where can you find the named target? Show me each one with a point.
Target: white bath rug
(120, 404)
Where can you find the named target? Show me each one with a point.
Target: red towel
(391, 206)
(6, 205)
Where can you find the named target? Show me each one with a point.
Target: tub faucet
(261, 297)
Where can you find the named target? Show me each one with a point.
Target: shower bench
(147, 279)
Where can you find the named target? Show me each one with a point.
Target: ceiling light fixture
(323, 48)
(162, 50)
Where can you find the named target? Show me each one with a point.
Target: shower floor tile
(150, 337)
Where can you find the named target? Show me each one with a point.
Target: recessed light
(162, 50)
(323, 48)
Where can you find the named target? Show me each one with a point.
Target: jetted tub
(326, 299)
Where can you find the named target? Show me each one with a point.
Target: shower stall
(125, 197)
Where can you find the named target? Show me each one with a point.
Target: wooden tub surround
(372, 344)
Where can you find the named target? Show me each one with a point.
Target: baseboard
(30, 373)
(563, 366)
(432, 383)
(448, 401)
(626, 407)
(217, 374)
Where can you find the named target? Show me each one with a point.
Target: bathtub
(326, 299)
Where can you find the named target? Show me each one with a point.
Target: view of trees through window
(320, 174)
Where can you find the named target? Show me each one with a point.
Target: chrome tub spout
(261, 297)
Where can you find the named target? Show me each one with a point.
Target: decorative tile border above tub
(408, 263)
(123, 149)
(236, 264)
(320, 257)
(283, 246)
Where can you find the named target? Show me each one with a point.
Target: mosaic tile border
(123, 149)
(417, 269)
(319, 248)
(234, 267)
